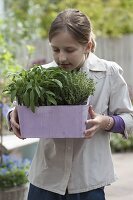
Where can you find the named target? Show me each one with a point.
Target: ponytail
(93, 41)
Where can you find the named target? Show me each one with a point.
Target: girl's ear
(88, 47)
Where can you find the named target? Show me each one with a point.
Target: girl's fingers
(14, 123)
(16, 131)
(89, 134)
(14, 119)
(91, 112)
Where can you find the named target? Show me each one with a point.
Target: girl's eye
(56, 50)
(70, 50)
(65, 50)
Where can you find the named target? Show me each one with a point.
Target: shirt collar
(94, 63)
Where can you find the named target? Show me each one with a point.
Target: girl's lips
(65, 65)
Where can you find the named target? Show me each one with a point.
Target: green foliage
(53, 86)
(7, 64)
(13, 172)
(7, 60)
(119, 144)
(109, 17)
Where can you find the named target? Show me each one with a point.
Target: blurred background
(24, 27)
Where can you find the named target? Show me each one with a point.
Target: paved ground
(122, 189)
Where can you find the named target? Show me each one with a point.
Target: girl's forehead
(64, 38)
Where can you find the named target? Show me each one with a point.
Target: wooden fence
(119, 50)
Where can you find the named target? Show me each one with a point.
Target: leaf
(32, 104)
(38, 91)
(42, 98)
(51, 93)
(13, 95)
(57, 82)
(50, 99)
(28, 86)
(26, 99)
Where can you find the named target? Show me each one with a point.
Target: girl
(79, 169)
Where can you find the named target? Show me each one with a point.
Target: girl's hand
(97, 122)
(14, 121)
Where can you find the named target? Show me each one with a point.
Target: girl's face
(68, 53)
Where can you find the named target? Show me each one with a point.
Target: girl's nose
(62, 57)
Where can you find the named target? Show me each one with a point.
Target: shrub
(13, 172)
(118, 144)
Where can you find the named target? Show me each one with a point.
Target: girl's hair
(76, 23)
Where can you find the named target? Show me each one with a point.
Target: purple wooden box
(53, 121)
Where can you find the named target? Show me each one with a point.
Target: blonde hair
(76, 23)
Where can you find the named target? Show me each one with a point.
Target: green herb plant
(39, 86)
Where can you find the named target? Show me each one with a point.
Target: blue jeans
(36, 193)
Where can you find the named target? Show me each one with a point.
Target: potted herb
(13, 178)
(52, 99)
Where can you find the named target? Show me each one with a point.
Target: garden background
(24, 28)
